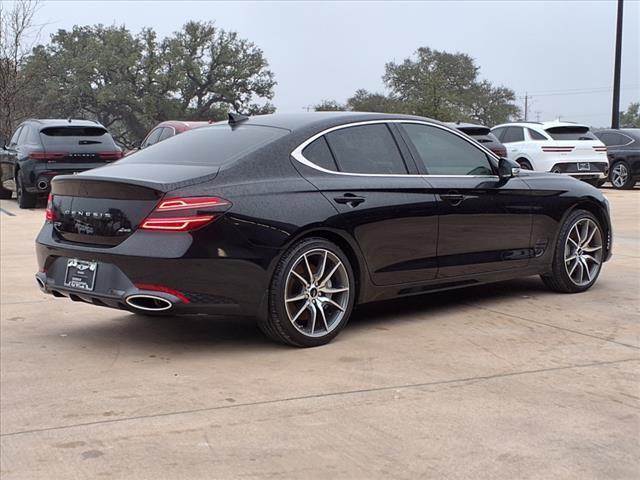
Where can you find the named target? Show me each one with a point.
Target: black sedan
(623, 150)
(294, 219)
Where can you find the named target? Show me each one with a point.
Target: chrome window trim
(631, 140)
(298, 156)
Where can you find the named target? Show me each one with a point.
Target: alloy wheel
(316, 292)
(619, 175)
(583, 251)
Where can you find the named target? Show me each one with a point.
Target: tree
(364, 101)
(18, 33)
(445, 86)
(130, 82)
(631, 117)
(329, 106)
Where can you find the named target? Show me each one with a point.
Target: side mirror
(507, 168)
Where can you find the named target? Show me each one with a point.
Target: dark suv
(41, 149)
(623, 150)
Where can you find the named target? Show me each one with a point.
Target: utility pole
(615, 109)
(538, 116)
(526, 106)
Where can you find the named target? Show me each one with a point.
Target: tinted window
(513, 134)
(535, 135)
(73, 131)
(475, 131)
(366, 149)
(571, 133)
(499, 132)
(444, 153)
(614, 139)
(215, 145)
(16, 135)
(318, 152)
(22, 139)
(152, 137)
(166, 133)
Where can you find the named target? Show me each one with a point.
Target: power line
(576, 91)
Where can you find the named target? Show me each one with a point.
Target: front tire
(25, 199)
(620, 176)
(524, 164)
(578, 254)
(311, 295)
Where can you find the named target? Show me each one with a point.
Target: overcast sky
(560, 53)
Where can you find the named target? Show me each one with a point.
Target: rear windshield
(571, 133)
(475, 131)
(73, 131)
(215, 145)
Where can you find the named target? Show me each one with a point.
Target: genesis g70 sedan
(294, 219)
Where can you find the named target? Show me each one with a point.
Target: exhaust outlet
(148, 303)
(41, 284)
(43, 184)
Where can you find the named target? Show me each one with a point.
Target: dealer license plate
(584, 166)
(80, 274)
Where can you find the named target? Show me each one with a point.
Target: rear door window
(366, 149)
(513, 134)
(444, 153)
(167, 132)
(612, 139)
(318, 153)
(571, 133)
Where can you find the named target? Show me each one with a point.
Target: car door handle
(453, 198)
(349, 199)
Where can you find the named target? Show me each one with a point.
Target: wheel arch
(597, 211)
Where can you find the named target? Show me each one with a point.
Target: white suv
(559, 147)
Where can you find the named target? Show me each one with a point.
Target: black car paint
(80, 156)
(629, 152)
(409, 236)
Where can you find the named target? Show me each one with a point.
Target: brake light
(110, 156)
(557, 149)
(184, 214)
(49, 214)
(48, 156)
(602, 149)
(501, 152)
(161, 288)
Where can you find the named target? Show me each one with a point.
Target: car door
(484, 222)
(8, 159)
(368, 175)
(513, 139)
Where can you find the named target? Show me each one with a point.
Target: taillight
(602, 149)
(501, 152)
(48, 156)
(161, 288)
(49, 214)
(557, 149)
(110, 156)
(184, 214)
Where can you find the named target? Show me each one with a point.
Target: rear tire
(311, 295)
(524, 164)
(25, 199)
(620, 176)
(578, 255)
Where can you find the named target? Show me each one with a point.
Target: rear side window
(366, 149)
(499, 132)
(318, 152)
(513, 134)
(73, 131)
(535, 135)
(611, 139)
(166, 133)
(152, 137)
(571, 133)
(444, 153)
(215, 145)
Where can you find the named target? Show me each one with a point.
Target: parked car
(41, 149)
(558, 147)
(296, 218)
(623, 149)
(167, 129)
(481, 134)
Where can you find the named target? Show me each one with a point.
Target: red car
(165, 130)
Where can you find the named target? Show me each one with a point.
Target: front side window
(152, 137)
(444, 153)
(318, 153)
(513, 134)
(366, 149)
(167, 132)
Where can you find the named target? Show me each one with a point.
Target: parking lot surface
(501, 381)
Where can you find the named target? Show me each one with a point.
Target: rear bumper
(159, 265)
(38, 175)
(597, 170)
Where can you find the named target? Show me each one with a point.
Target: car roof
(464, 125)
(543, 125)
(183, 125)
(63, 122)
(306, 120)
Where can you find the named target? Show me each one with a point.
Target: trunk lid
(106, 205)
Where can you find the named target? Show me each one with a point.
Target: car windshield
(215, 145)
(571, 133)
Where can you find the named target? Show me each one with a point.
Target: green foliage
(364, 101)
(329, 106)
(631, 117)
(130, 82)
